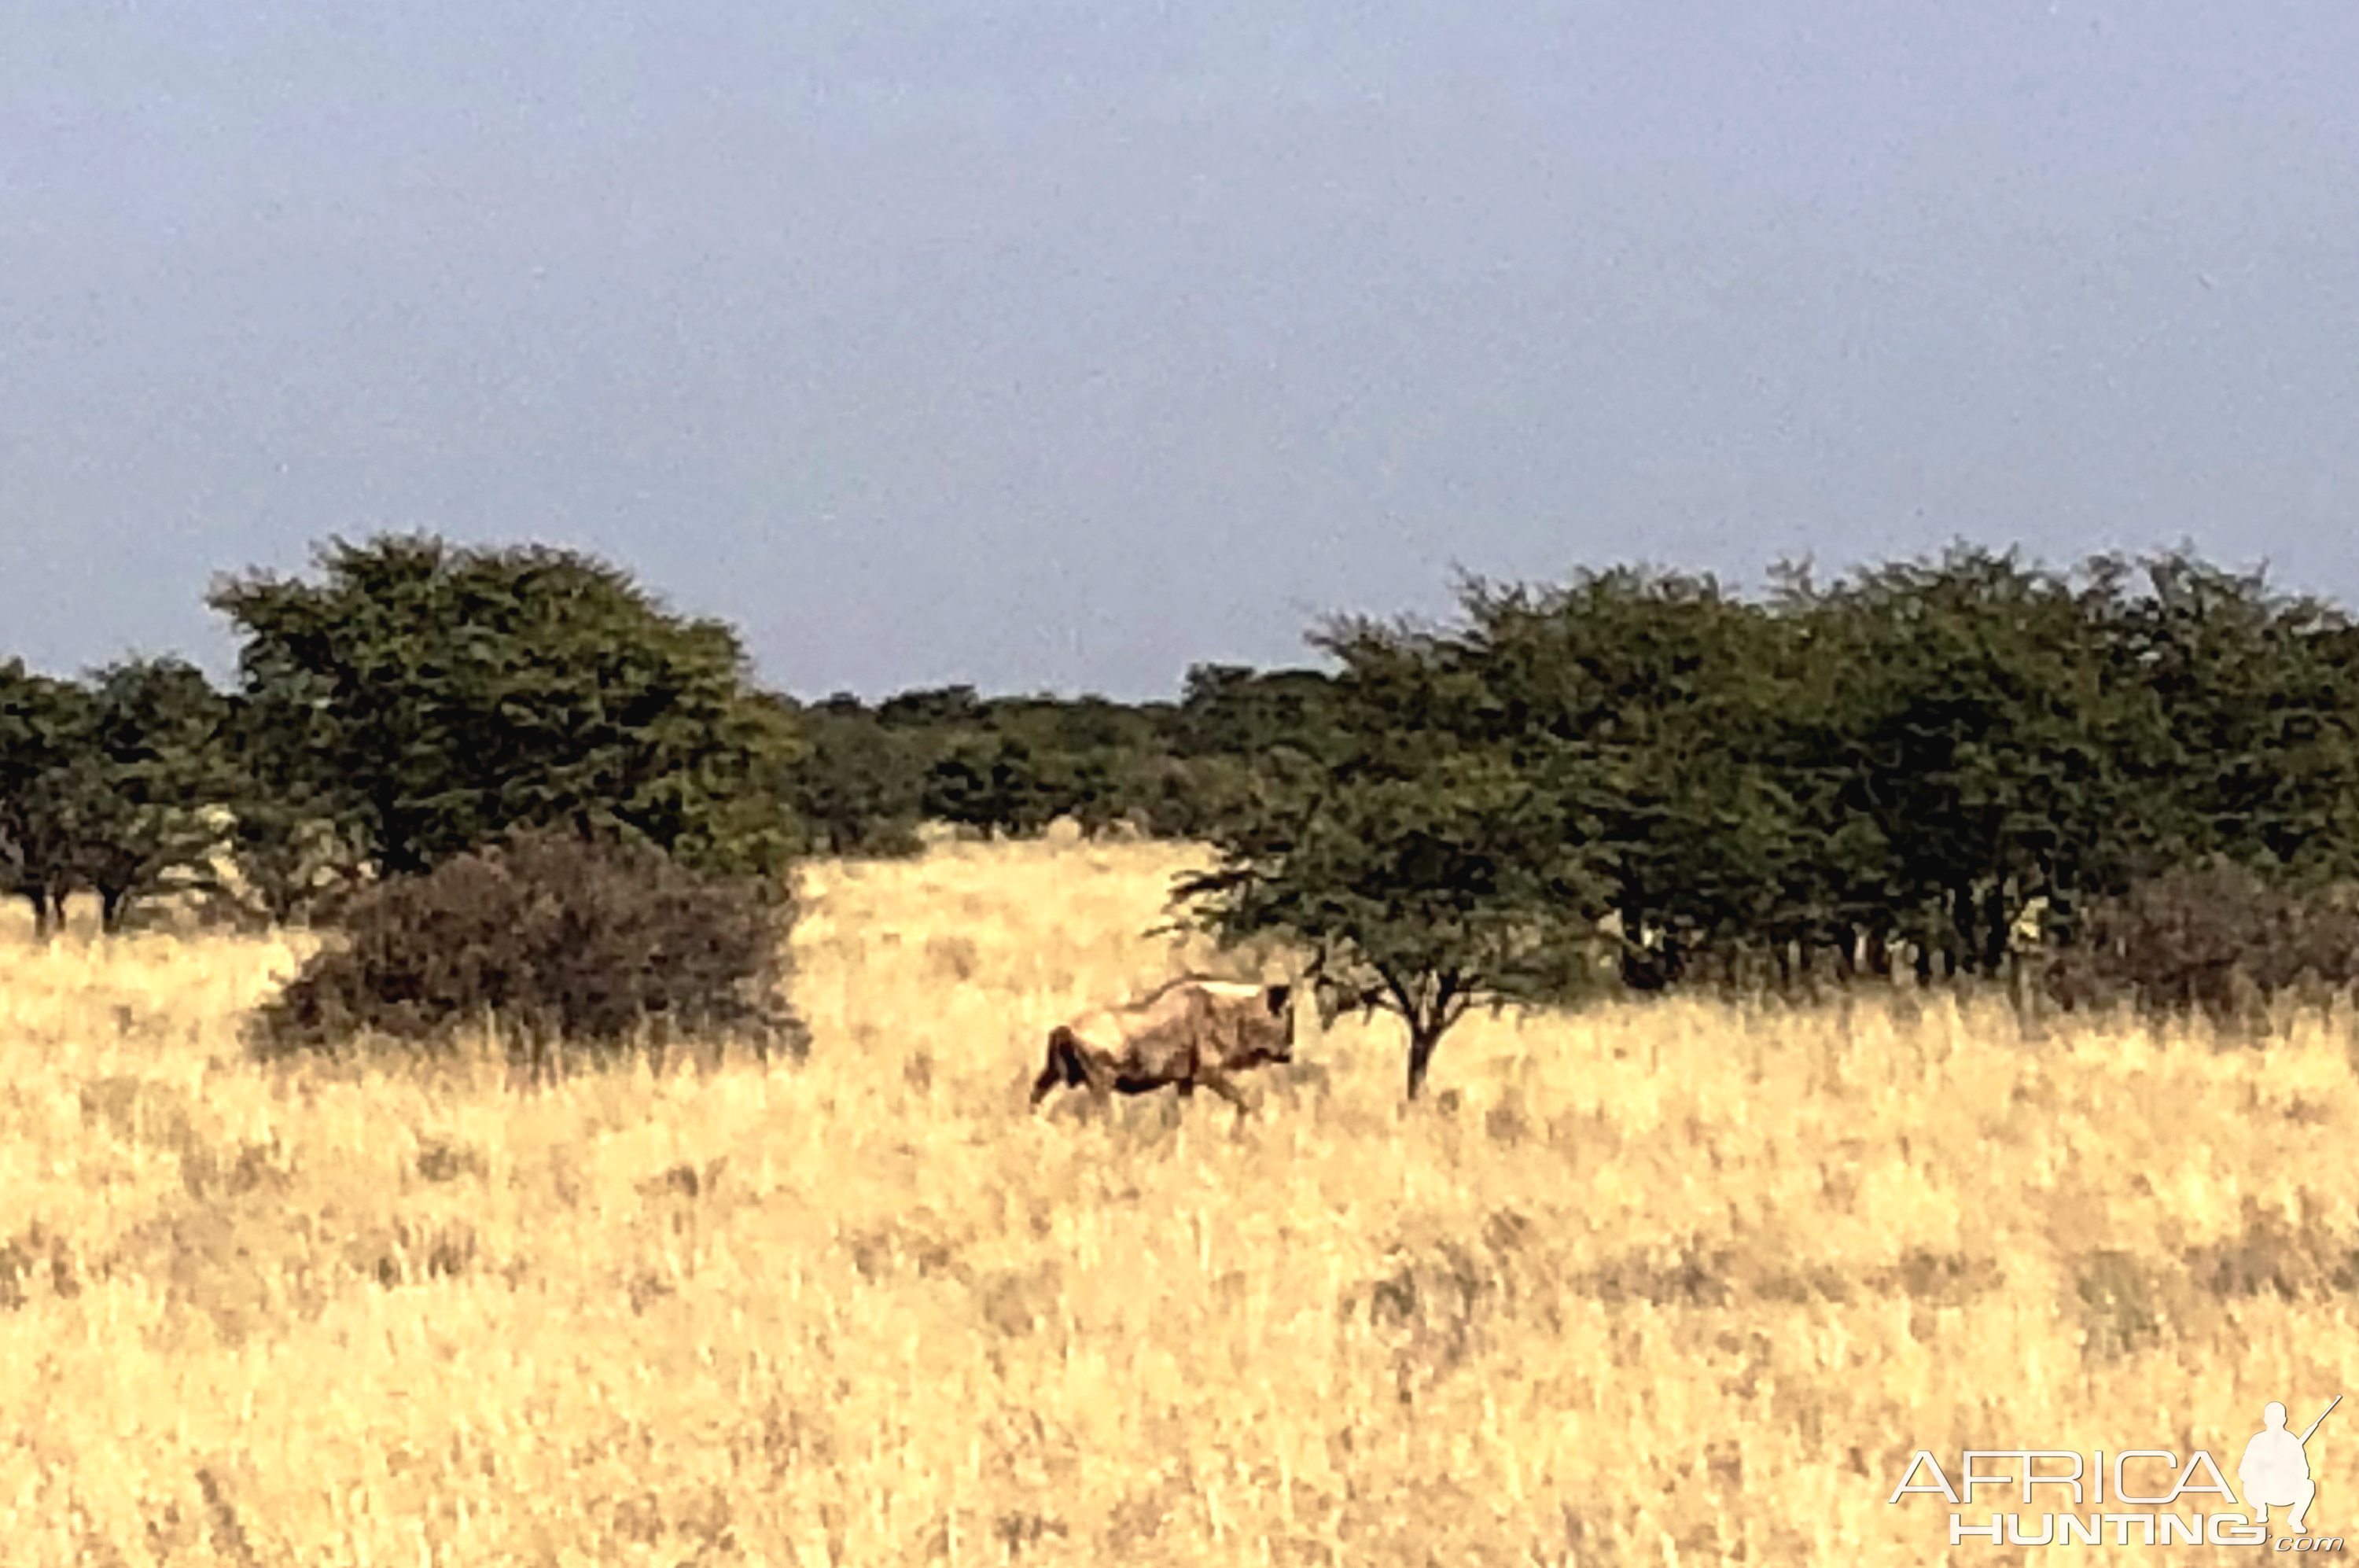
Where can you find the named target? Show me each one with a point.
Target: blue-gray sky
(1060, 345)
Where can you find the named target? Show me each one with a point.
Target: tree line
(415, 700)
(1643, 778)
(1010, 766)
(1631, 780)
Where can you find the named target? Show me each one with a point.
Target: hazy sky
(1059, 345)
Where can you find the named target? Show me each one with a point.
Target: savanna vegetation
(497, 1083)
(2088, 783)
(1683, 1280)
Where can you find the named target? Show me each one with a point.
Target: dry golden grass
(1670, 1283)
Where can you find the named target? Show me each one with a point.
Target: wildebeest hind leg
(1100, 1077)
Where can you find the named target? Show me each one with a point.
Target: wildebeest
(1185, 1032)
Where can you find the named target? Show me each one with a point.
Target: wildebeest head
(1262, 1029)
(1334, 991)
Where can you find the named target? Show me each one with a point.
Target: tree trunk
(112, 903)
(1998, 930)
(1422, 1039)
(1960, 948)
(39, 898)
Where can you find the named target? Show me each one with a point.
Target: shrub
(2212, 938)
(551, 937)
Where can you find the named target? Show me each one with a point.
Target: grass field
(1672, 1283)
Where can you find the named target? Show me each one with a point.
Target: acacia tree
(107, 786)
(1666, 694)
(1426, 877)
(1967, 739)
(155, 767)
(46, 780)
(294, 838)
(425, 698)
(2256, 695)
(2005, 738)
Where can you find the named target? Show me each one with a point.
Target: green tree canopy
(1658, 698)
(860, 789)
(1427, 873)
(47, 780)
(426, 697)
(161, 768)
(109, 785)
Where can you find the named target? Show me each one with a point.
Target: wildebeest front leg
(1054, 1073)
(1050, 1076)
(1067, 1066)
(1218, 1083)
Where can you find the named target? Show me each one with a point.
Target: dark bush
(2214, 939)
(549, 938)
